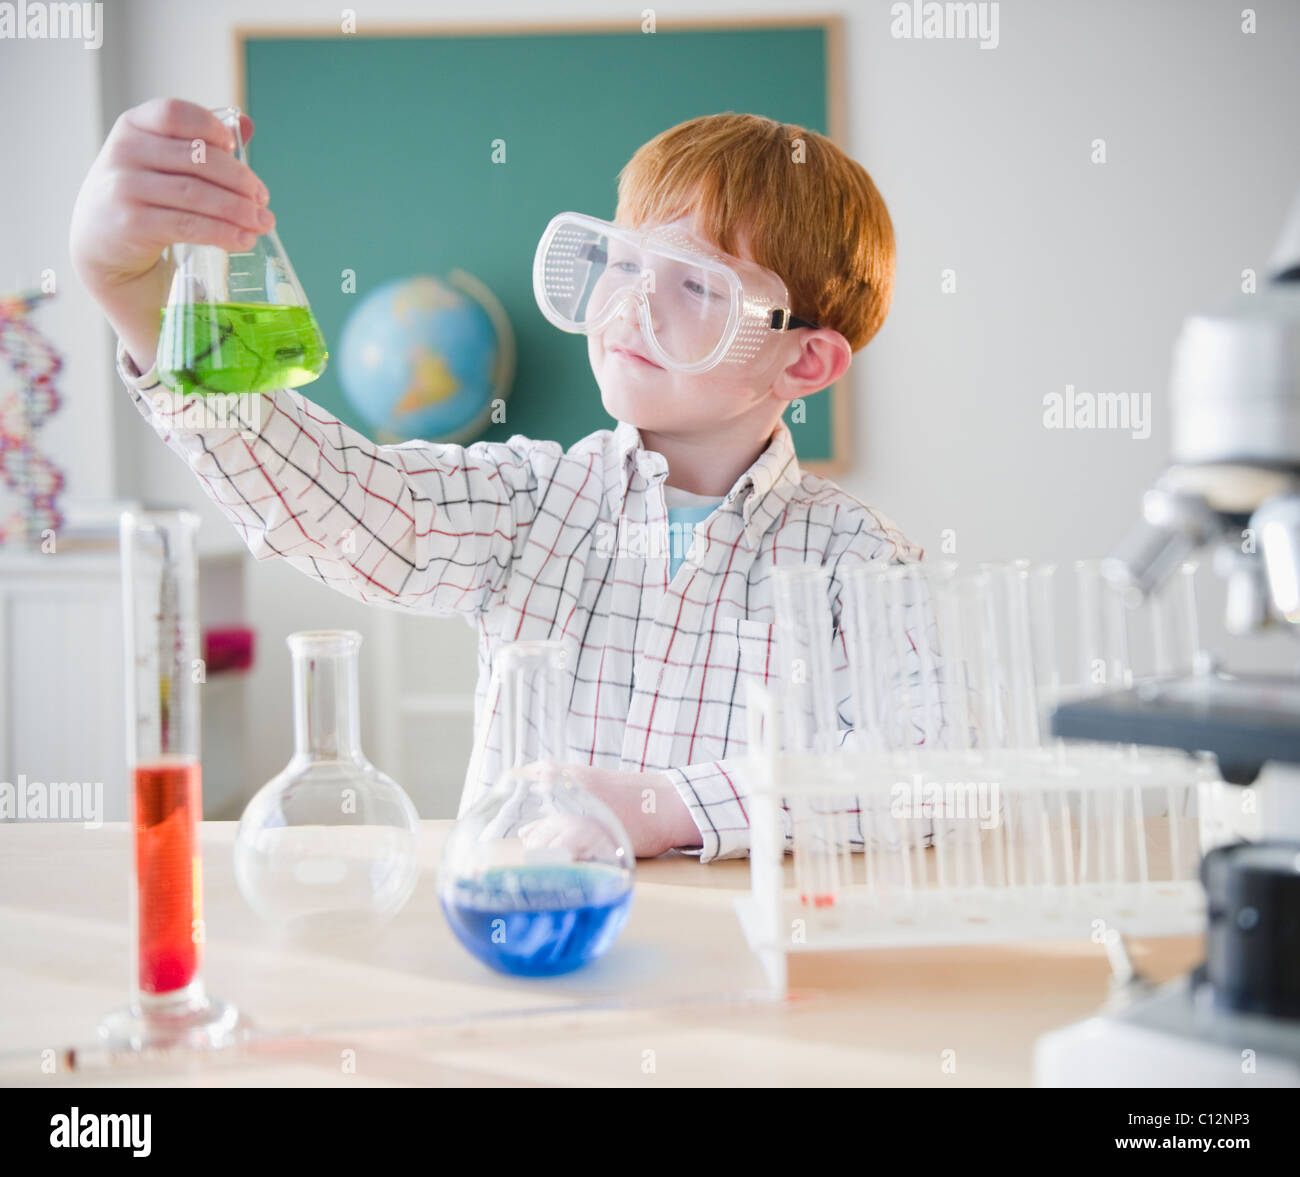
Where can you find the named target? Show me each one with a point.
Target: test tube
(1174, 624)
(1103, 650)
(1015, 584)
(1045, 638)
(903, 654)
(806, 642)
(169, 1006)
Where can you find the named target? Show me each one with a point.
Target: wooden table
(679, 1000)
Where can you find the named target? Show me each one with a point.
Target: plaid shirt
(527, 540)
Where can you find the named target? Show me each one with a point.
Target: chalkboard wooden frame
(839, 459)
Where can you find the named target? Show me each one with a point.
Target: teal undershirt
(681, 528)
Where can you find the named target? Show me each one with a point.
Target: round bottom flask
(537, 875)
(329, 845)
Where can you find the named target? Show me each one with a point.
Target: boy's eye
(624, 267)
(700, 290)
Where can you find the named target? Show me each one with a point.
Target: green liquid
(236, 347)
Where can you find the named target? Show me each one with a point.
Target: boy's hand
(651, 811)
(152, 185)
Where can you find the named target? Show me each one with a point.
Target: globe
(426, 357)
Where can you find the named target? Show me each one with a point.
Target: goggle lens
(590, 278)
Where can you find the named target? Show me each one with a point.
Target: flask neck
(326, 706)
(229, 116)
(534, 703)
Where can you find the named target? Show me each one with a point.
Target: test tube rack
(985, 828)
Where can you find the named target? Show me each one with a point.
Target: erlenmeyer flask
(536, 877)
(329, 845)
(237, 322)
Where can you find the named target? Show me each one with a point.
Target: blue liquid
(538, 921)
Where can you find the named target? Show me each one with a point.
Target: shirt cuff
(719, 804)
(714, 795)
(131, 376)
(218, 417)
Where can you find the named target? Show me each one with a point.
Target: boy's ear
(824, 356)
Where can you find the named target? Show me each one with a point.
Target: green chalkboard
(377, 150)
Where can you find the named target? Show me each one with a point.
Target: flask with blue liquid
(536, 876)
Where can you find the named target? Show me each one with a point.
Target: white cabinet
(61, 716)
(61, 704)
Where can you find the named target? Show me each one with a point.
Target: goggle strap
(783, 320)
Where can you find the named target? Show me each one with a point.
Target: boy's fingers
(169, 224)
(156, 153)
(191, 193)
(178, 119)
(245, 127)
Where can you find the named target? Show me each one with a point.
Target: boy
(525, 539)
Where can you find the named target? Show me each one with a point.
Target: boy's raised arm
(426, 526)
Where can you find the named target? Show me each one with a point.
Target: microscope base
(1171, 1038)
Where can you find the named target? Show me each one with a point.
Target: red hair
(805, 209)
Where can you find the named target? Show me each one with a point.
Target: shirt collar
(762, 491)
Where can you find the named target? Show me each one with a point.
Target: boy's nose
(628, 319)
(629, 312)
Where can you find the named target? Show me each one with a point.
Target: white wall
(53, 127)
(1068, 272)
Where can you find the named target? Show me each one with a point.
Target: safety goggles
(696, 306)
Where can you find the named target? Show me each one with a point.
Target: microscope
(1233, 487)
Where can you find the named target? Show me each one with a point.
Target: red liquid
(169, 896)
(818, 900)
